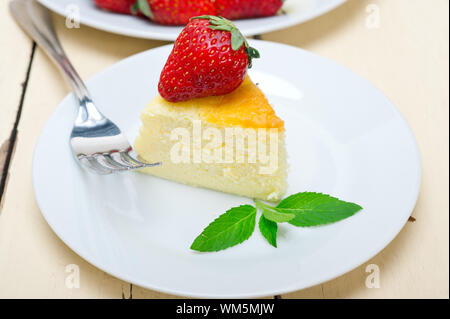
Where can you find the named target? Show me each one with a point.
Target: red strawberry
(174, 12)
(240, 9)
(210, 57)
(121, 6)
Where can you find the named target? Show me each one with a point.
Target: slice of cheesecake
(232, 143)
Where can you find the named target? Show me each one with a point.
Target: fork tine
(92, 164)
(130, 159)
(127, 159)
(113, 162)
(104, 161)
(93, 134)
(116, 156)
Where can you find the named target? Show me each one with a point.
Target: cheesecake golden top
(245, 107)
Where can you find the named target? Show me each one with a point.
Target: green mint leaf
(269, 230)
(314, 209)
(229, 229)
(274, 214)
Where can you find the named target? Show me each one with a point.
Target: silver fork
(96, 141)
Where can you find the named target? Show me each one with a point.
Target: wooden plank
(4, 150)
(407, 58)
(15, 47)
(37, 260)
(142, 293)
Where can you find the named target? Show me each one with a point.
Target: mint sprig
(229, 229)
(274, 214)
(315, 209)
(237, 38)
(269, 230)
(302, 210)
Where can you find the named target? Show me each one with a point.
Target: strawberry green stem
(143, 7)
(237, 38)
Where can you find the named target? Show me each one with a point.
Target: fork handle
(36, 20)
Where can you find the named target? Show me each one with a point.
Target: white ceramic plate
(297, 11)
(344, 138)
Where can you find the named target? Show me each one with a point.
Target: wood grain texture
(406, 57)
(4, 149)
(15, 46)
(36, 257)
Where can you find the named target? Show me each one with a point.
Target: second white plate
(296, 11)
(344, 138)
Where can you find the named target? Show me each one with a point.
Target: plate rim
(293, 287)
(53, 6)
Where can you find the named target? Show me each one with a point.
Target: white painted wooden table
(406, 55)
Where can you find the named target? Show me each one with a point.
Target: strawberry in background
(119, 6)
(241, 9)
(210, 57)
(174, 12)
(178, 12)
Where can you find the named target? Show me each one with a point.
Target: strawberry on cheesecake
(211, 126)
